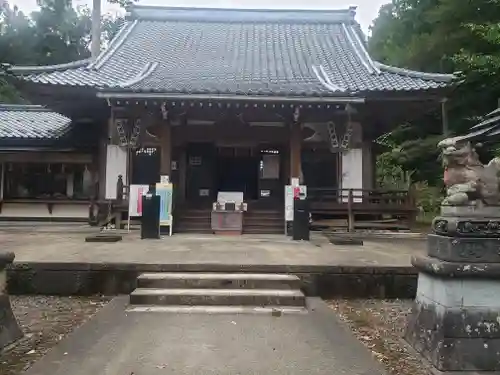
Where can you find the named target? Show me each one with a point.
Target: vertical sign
(292, 192)
(135, 199)
(288, 203)
(165, 192)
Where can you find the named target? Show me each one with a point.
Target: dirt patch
(44, 321)
(380, 325)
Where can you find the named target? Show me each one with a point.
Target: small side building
(46, 165)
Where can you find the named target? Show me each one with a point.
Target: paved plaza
(40, 246)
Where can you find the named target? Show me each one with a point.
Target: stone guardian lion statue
(467, 180)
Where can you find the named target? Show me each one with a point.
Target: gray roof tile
(247, 52)
(31, 122)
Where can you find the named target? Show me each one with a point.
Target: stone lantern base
(9, 329)
(455, 322)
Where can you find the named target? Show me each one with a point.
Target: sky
(367, 9)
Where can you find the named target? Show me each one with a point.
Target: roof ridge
(23, 108)
(363, 49)
(145, 72)
(365, 60)
(439, 77)
(166, 13)
(49, 68)
(113, 46)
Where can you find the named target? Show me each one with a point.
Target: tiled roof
(488, 129)
(31, 122)
(247, 52)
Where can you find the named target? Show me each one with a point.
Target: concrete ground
(115, 342)
(35, 245)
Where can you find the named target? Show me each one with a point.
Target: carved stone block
(464, 249)
(466, 227)
(473, 210)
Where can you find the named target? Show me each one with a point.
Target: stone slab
(346, 241)
(217, 297)
(117, 342)
(461, 249)
(103, 238)
(218, 280)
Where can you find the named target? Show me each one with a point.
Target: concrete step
(218, 280)
(217, 297)
(273, 310)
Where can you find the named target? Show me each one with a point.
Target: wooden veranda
(362, 208)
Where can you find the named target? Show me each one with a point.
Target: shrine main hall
(227, 100)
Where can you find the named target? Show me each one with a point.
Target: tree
(56, 33)
(440, 36)
(62, 33)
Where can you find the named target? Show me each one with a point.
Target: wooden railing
(330, 201)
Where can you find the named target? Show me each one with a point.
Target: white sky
(366, 12)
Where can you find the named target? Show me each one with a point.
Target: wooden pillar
(182, 166)
(102, 158)
(295, 150)
(166, 149)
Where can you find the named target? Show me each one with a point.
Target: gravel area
(380, 325)
(45, 321)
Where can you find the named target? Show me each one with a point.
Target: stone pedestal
(9, 329)
(455, 322)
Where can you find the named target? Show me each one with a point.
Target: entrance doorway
(238, 170)
(146, 166)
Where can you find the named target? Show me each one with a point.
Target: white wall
(352, 171)
(116, 164)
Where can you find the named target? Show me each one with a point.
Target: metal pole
(95, 44)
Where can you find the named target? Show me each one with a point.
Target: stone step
(217, 297)
(195, 230)
(217, 280)
(269, 224)
(263, 230)
(273, 310)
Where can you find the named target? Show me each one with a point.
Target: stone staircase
(193, 221)
(259, 221)
(218, 293)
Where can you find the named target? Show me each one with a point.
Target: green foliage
(392, 177)
(439, 36)
(428, 198)
(56, 33)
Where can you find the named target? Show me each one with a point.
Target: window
(47, 181)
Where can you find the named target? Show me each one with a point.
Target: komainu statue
(467, 180)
